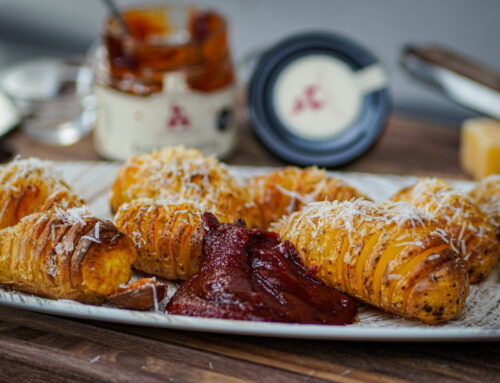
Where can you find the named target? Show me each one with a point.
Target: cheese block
(480, 147)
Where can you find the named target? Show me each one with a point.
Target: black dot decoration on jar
(224, 119)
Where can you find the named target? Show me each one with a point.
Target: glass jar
(168, 81)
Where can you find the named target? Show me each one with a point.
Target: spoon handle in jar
(117, 14)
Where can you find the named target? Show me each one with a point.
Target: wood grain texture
(408, 147)
(149, 354)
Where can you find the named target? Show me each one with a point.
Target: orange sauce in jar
(179, 54)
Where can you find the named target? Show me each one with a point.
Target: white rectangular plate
(479, 321)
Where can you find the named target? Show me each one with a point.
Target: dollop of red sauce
(249, 274)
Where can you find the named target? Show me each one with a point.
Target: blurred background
(31, 28)
(422, 133)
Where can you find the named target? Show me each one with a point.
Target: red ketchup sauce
(249, 274)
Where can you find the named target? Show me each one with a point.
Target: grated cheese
(432, 257)
(96, 230)
(394, 276)
(350, 215)
(74, 215)
(181, 174)
(90, 238)
(454, 210)
(52, 265)
(59, 249)
(347, 257)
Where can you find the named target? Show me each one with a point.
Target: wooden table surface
(407, 147)
(38, 347)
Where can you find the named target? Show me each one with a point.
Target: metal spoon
(118, 15)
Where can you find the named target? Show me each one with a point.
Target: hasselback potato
(65, 255)
(389, 255)
(168, 235)
(283, 191)
(487, 195)
(181, 174)
(31, 185)
(471, 228)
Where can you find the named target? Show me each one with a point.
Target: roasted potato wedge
(388, 255)
(472, 230)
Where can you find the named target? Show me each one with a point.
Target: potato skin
(284, 191)
(471, 228)
(487, 195)
(29, 186)
(168, 236)
(57, 256)
(403, 265)
(139, 295)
